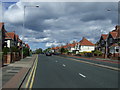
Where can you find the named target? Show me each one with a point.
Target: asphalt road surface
(58, 72)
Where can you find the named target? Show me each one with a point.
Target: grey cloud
(63, 22)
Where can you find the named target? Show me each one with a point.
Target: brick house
(73, 47)
(102, 43)
(55, 49)
(19, 44)
(11, 39)
(112, 40)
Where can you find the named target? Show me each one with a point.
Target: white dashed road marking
(64, 65)
(82, 75)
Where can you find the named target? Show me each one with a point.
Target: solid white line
(82, 75)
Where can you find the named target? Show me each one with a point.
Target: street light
(24, 25)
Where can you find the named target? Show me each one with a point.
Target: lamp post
(24, 25)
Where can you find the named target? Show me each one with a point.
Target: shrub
(14, 49)
(5, 50)
(63, 50)
(97, 53)
(26, 52)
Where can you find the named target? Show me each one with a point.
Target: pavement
(111, 63)
(14, 74)
(63, 72)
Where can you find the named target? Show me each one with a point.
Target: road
(58, 72)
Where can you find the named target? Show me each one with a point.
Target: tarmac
(14, 74)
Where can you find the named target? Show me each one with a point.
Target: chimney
(83, 38)
(74, 42)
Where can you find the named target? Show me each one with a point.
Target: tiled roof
(27, 46)
(54, 48)
(104, 36)
(72, 45)
(114, 34)
(66, 46)
(85, 42)
(114, 45)
(9, 35)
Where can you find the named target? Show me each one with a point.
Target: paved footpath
(96, 59)
(14, 74)
(109, 63)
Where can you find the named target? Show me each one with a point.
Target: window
(102, 42)
(117, 50)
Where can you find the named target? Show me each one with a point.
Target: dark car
(48, 54)
(56, 53)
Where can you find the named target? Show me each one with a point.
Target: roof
(72, 45)
(54, 48)
(85, 42)
(114, 45)
(19, 40)
(65, 46)
(27, 46)
(9, 35)
(114, 34)
(104, 36)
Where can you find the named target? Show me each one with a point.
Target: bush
(26, 52)
(63, 50)
(14, 49)
(38, 51)
(97, 53)
(5, 50)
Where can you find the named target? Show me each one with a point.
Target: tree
(97, 53)
(63, 50)
(26, 51)
(38, 51)
(47, 50)
(14, 49)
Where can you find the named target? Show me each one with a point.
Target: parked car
(56, 53)
(48, 54)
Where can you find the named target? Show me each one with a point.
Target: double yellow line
(31, 77)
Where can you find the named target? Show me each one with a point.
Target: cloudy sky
(58, 23)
